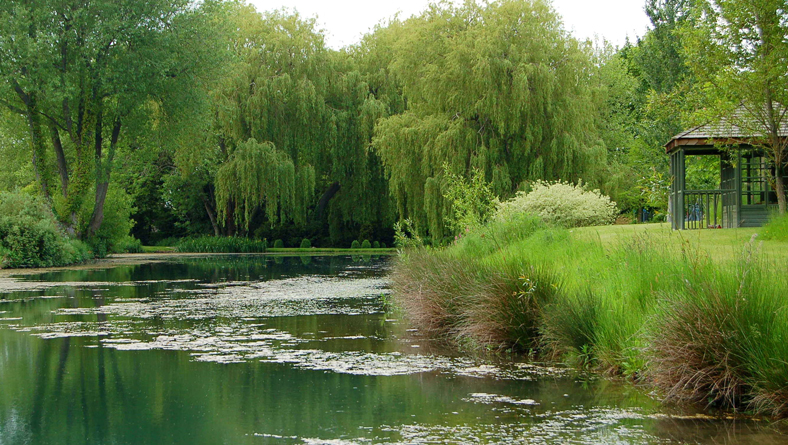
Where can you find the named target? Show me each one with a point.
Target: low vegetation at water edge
(229, 244)
(666, 314)
(30, 235)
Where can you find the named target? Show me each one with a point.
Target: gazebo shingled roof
(724, 131)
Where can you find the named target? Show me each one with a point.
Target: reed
(230, 244)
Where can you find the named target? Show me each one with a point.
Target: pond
(257, 349)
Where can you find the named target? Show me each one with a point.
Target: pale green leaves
(257, 175)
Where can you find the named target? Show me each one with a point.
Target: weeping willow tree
(313, 115)
(256, 175)
(497, 87)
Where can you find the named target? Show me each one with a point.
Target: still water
(273, 350)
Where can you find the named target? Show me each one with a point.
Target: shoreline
(128, 259)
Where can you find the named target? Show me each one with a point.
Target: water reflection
(255, 349)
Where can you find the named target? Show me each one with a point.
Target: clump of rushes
(306, 244)
(722, 340)
(355, 244)
(212, 244)
(366, 244)
(279, 244)
(473, 303)
(507, 313)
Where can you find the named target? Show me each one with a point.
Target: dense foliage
(173, 118)
(500, 88)
(562, 204)
(31, 237)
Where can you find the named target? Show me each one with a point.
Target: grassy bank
(700, 315)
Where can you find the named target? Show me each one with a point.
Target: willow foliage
(312, 113)
(497, 87)
(258, 174)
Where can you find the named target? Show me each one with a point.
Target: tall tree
(85, 74)
(739, 51)
(498, 87)
(298, 118)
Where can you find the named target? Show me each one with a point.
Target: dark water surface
(260, 349)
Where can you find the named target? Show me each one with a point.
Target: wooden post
(677, 171)
(738, 187)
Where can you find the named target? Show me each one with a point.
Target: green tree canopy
(313, 112)
(498, 87)
(739, 52)
(84, 75)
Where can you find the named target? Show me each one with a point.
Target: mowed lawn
(719, 244)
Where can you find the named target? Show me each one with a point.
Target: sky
(345, 21)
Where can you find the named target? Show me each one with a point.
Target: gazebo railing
(704, 209)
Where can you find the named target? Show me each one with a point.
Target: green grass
(337, 250)
(701, 315)
(211, 244)
(776, 229)
(720, 244)
(157, 249)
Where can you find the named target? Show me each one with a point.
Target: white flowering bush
(561, 203)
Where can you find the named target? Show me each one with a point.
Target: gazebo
(745, 194)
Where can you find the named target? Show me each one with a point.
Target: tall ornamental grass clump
(230, 244)
(722, 339)
(563, 204)
(30, 235)
(468, 297)
(474, 303)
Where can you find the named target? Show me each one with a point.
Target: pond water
(286, 350)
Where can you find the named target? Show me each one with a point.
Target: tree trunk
(229, 225)
(62, 166)
(212, 217)
(39, 153)
(326, 198)
(98, 210)
(779, 188)
(103, 170)
(36, 141)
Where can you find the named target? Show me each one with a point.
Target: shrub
(128, 245)
(30, 236)
(229, 244)
(279, 244)
(406, 236)
(355, 244)
(167, 242)
(472, 200)
(382, 245)
(366, 244)
(376, 245)
(306, 244)
(116, 225)
(563, 204)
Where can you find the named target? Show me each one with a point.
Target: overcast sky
(345, 21)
